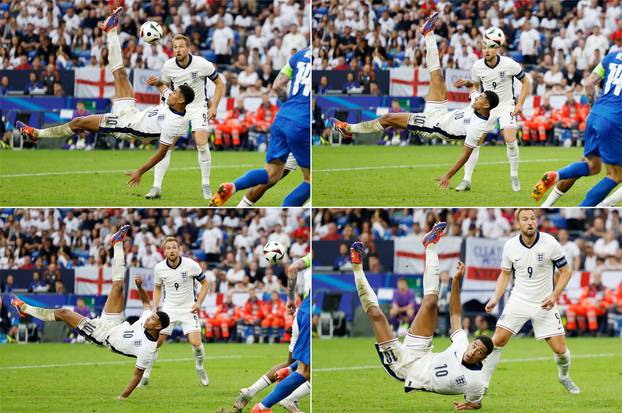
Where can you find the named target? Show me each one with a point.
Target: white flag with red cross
(93, 83)
(408, 81)
(93, 280)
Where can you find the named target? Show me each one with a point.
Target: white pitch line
(100, 363)
(436, 165)
(116, 171)
(517, 360)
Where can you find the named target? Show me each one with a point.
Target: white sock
(613, 199)
(300, 392)
(147, 372)
(199, 354)
(115, 61)
(205, 163)
(563, 363)
(432, 271)
(38, 312)
(513, 152)
(431, 53)
(60, 131)
(245, 203)
(160, 170)
(552, 198)
(366, 293)
(470, 164)
(118, 262)
(370, 126)
(259, 385)
(490, 364)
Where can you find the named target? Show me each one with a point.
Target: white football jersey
(197, 75)
(132, 340)
(499, 79)
(447, 374)
(179, 290)
(533, 267)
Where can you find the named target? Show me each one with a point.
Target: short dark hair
(493, 99)
(188, 93)
(165, 320)
(487, 341)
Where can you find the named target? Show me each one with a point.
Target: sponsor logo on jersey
(540, 257)
(195, 75)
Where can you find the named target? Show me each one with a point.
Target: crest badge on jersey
(460, 381)
(184, 275)
(502, 75)
(195, 75)
(541, 257)
(161, 117)
(137, 343)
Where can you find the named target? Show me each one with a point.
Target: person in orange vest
(236, 123)
(274, 321)
(265, 114)
(594, 302)
(542, 121)
(219, 326)
(571, 117)
(249, 325)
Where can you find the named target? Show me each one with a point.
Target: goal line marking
(435, 165)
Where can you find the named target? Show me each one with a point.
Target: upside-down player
(109, 330)
(531, 258)
(165, 122)
(470, 124)
(176, 275)
(456, 370)
(603, 141)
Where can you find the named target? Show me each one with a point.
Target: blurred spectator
(593, 303)
(607, 246)
(34, 85)
(403, 306)
(37, 284)
(9, 284)
(4, 85)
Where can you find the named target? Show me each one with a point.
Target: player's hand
(492, 303)
(443, 182)
(134, 179)
(154, 81)
(211, 113)
(459, 270)
(549, 302)
(460, 83)
(195, 308)
(518, 109)
(121, 398)
(290, 306)
(466, 406)
(138, 281)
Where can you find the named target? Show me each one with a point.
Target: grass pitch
(96, 178)
(348, 377)
(368, 175)
(85, 378)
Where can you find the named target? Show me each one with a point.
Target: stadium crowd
(558, 43)
(227, 243)
(591, 240)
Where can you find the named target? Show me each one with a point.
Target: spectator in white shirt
(72, 21)
(222, 43)
(607, 246)
(596, 41)
(236, 274)
(495, 227)
(581, 56)
(256, 40)
(553, 77)
(529, 44)
(573, 254)
(156, 58)
(561, 41)
(298, 249)
(211, 240)
(459, 35)
(277, 55)
(248, 77)
(293, 40)
(279, 236)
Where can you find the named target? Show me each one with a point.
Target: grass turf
(368, 175)
(347, 377)
(95, 178)
(77, 378)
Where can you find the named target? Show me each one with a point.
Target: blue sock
(283, 389)
(298, 196)
(294, 365)
(251, 178)
(599, 192)
(574, 170)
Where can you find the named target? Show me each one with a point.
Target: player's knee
(61, 313)
(430, 303)
(375, 313)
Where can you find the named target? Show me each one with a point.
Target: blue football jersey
(609, 104)
(298, 104)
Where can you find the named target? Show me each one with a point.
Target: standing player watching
(496, 73)
(177, 275)
(603, 141)
(136, 340)
(166, 121)
(290, 132)
(193, 71)
(456, 370)
(531, 258)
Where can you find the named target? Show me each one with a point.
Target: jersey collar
(149, 337)
(173, 268)
(189, 62)
(520, 238)
(485, 62)
(476, 366)
(480, 115)
(176, 112)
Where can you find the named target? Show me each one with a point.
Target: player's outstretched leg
(198, 352)
(559, 190)
(389, 120)
(115, 303)
(613, 199)
(290, 403)
(271, 173)
(437, 92)
(600, 191)
(70, 318)
(469, 167)
(122, 86)
(158, 176)
(246, 394)
(591, 166)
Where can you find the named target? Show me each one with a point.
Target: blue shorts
(603, 138)
(302, 349)
(287, 136)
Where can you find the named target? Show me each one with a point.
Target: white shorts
(98, 329)
(546, 323)
(189, 321)
(505, 114)
(433, 122)
(292, 342)
(197, 115)
(291, 164)
(409, 359)
(123, 116)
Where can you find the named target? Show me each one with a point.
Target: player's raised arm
(502, 284)
(279, 86)
(157, 293)
(593, 79)
(144, 297)
(455, 306)
(292, 275)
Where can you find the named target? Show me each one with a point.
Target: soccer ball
(273, 252)
(151, 32)
(494, 36)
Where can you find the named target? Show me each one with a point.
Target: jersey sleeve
(146, 356)
(516, 70)
(506, 261)
(197, 272)
(557, 255)
(474, 393)
(209, 70)
(459, 340)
